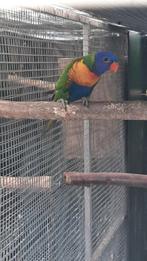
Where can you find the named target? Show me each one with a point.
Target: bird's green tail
(48, 127)
(50, 124)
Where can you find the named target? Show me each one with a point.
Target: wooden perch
(126, 110)
(40, 182)
(27, 82)
(111, 178)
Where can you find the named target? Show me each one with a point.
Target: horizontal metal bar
(69, 13)
(111, 178)
(74, 15)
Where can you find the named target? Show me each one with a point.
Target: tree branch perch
(126, 110)
(111, 178)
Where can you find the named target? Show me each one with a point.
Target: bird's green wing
(61, 88)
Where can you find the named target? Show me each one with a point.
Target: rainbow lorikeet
(82, 74)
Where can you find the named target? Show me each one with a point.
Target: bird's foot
(50, 98)
(85, 102)
(64, 103)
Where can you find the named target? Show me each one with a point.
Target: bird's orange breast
(80, 74)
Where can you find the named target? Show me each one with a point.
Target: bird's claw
(85, 102)
(64, 103)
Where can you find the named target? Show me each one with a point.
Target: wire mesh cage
(46, 220)
(109, 203)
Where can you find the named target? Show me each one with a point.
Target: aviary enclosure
(42, 218)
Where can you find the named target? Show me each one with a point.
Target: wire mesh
(133, 17)
(109, 203)
(48, 224)
(116, 249)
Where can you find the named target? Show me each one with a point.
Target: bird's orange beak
(114, 67)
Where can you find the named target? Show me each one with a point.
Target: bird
(81, 75)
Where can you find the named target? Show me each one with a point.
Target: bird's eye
(106, 60)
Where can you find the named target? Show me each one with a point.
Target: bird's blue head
(105, 61)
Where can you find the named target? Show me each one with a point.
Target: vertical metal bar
(135, 152)
(87, 189)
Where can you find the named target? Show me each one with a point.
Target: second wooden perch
(33, 182)
(111, 178)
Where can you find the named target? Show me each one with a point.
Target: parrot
(81, 75)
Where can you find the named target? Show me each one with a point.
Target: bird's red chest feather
(80, 74)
